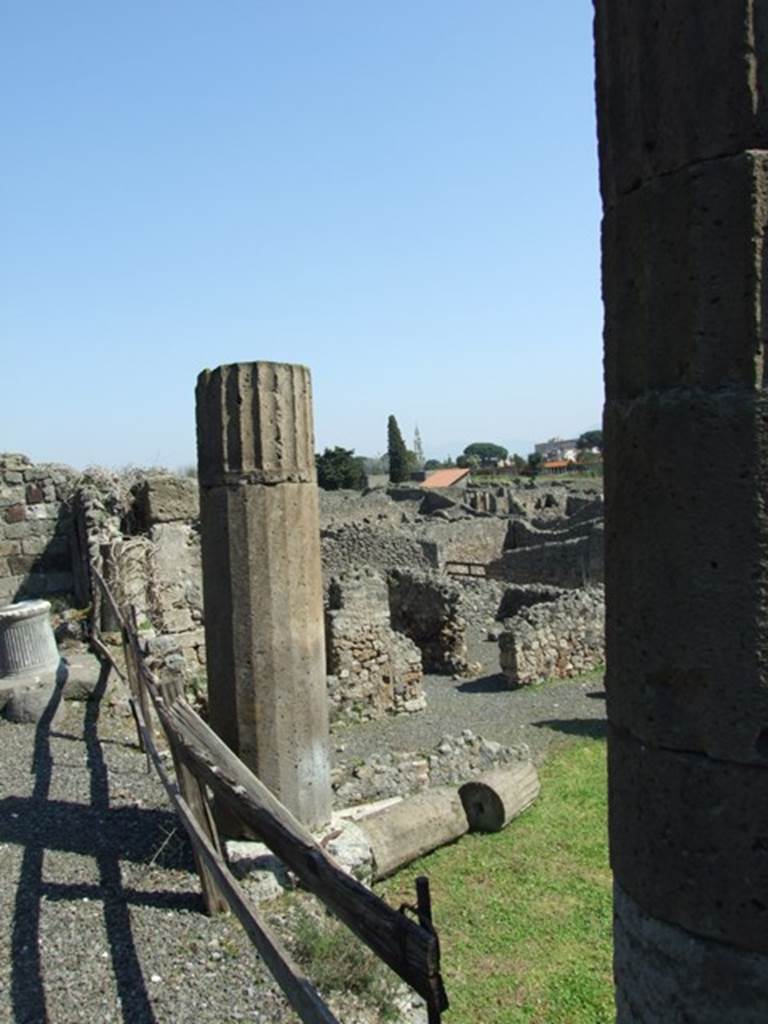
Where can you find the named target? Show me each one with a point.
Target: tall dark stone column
(262, 578)
(683, 132)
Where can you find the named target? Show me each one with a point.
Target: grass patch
(524, 915)
(339, 963)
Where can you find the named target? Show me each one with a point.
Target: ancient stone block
(15, 513)
(495, 798)
(687, 551)
(677, 85)
(166, 499)
(664, 973)
(683, 298)
(689, 837)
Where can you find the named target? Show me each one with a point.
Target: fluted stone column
(683, 135)
(262, 578)
(27, 643)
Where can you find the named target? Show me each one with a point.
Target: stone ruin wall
(555, 639)
(35, 529)
(142, 532)
(573, 563)
(372, 668)
(427, 608)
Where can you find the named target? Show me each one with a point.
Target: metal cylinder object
(27, 643)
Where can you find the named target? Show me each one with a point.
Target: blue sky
(401, 195)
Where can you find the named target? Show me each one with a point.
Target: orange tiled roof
(555, 464)
(445, 477)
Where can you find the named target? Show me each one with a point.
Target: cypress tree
(398, 453)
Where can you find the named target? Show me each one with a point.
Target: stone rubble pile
(401, 773)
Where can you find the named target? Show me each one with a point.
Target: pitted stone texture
(32, 704)
(684, 303)
(666, 975)
(689, 839)
(264, 638)
(254, 423)
(687, 588)
(677, 83)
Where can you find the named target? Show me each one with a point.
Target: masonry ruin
(683, 138)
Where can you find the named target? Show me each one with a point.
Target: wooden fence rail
(205, 766)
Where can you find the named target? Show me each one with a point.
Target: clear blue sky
(402, 195)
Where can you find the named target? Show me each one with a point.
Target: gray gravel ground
(543, 717)
(101, 910)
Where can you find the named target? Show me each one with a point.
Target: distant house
(556, 449)
(446, 478)
(557, 466)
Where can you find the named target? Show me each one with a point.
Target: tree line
(339, 468)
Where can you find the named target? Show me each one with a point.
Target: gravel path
(103, 916)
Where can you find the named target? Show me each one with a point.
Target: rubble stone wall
(556, 639)
(380, 548)
(428, 609)
(521, 534)
(373, 670)
(465, 540)
(569, 563)
(35, 529)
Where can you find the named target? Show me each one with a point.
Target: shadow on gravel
(597, 695)
(109, 836)
(485, 684)
(594, 728)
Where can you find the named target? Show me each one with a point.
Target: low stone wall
(569, 563)
(373, 670)
(369, 507)
(557, 639)
(465, 540)
(380, 548)
(521, 534)
(35, 529)
(427, 608)
(525, 595)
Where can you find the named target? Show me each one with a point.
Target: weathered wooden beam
(410, 949)
(297, 987)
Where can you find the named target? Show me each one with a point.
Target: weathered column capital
(254, 425)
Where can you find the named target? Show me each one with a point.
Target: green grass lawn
(524, 915)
